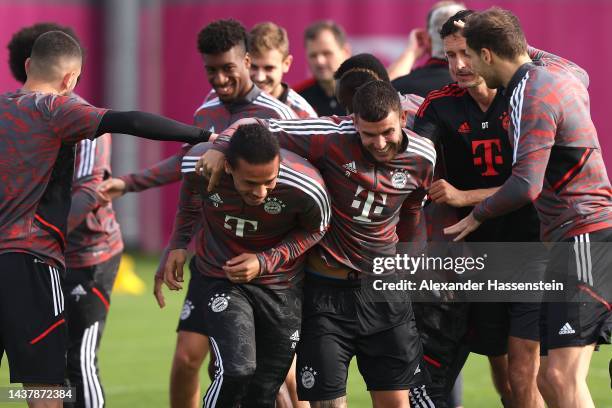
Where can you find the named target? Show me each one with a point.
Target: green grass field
(138, 344)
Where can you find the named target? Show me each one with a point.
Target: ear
(486, 55)
(287, 63)
(227, 168)
(347, 49)
(68, 81)
(403, 117)
(247, 60)
(28, 64)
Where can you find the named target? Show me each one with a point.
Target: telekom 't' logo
(487, 152)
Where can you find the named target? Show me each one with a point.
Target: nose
(461, 63)
(219, 78)
(379, 142)
(260, 191)
(320, 59)
(258, 75)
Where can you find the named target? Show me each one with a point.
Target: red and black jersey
(37, 136)
(410, 104)
(297, 103)
(557, 161)
(293, 218)
(93, 232)
(367, 196)
(214, 115)
(474, 153)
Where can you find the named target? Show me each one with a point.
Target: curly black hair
(21, 43)
(366, 61)
(222, 35)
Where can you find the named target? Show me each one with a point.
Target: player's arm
(533, 141)
(411, 226)
(416, 47)
(306, 137)
(443, 192)
(86, 181)
(557, 62)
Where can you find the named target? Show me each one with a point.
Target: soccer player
(557, 164)
(223, 46)
(41, 123)
(270, 60)
(379, 172)
(245, 291)
(326, 48)
(94, 243)
(468, 122)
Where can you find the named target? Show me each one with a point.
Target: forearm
(292, 247)
(472, 198)
(150, 126)
(164, 172)
(84, 201)
(514, 194)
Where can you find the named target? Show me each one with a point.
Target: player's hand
(442, 192)
(110, 189)
(211, 165)
(242, 268)
(460, 23)
(173, 271)
(463, 227)
(158, 291)
(213, 137)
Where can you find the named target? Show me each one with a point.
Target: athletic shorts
(443, 328)
(32, 324)
(585, 263)
(492, 323)
(253, 331)
(341, 322)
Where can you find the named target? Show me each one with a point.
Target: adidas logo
(465, 128)
(295, 336)
(567, 329)
(351, 167)
(78, 291)
(216, 198)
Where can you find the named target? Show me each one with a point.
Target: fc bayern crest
(399, 179)
(219, 303)
(273, 206)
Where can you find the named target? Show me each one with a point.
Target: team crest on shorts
(273, 206)
(187, 308)
(219, 302)
(307, 375)
(399, 178)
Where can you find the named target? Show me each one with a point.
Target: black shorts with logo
(341, 321)
(253, 331)
(583, 263)
(32, 324)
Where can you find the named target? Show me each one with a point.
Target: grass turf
(138, 343)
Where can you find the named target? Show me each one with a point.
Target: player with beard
(270, 60)
(380, 173)
(557, 165)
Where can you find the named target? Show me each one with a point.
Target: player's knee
(521, 372)
(555, 378)
(185, 360)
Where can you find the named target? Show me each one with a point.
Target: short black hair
(50, 47)
(449, 28)
(221, 36)
(254, 144)
(375, 100)
(364, 60)
(350, 82)
(21, 43)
